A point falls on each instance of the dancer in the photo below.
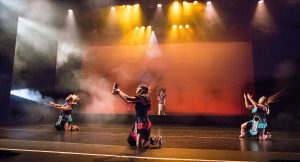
(257, 126)
(140, 133)
(65, 118)
(161, 102)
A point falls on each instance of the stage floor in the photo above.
(102, 142)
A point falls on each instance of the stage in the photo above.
(103, 142)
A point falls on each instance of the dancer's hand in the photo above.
(245, 97)
(51, 103)
(249, 96)
(116, 91)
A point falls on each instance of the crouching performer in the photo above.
(257, 126)
(65, 118)
(140, 133)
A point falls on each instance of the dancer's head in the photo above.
(73, 99)
(262, 100)
(142, 89)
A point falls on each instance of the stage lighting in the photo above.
(123, 6)
(180, 26)
(128, 6)
(208, 3)
(149, 27)
(261, 1)
(174, 26)
(195, 2)
(70, 11)
(185, 3)
(136, 28)
(113, 8)
(159, 5)
(187, 26)
(176, 4)
(143, 28)
(136, 5)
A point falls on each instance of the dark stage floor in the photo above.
(99, 142)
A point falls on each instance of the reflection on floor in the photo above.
(97, 142)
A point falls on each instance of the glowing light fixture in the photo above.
(137, 28)
(136, 5)
(123, 6)
(159, 5)
(195, 2)
(208, 3)
(261, 1)
(180, 26)
(187, 26)
(143, 28)
(185, 3)
(149, 27)
(174, 26)
(176, 4)
(71, 11)
(113, 8)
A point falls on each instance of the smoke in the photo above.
(32, 95)
(100, 96)
(286, 69)
(262, 20)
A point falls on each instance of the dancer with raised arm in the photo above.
(140, 133)
(65, 118)
(257, 126)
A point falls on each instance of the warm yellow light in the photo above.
(136, 5)
(174, 26)
(143, 28)
(159, 5)
(136, 28)
(180, 26)
(185, 3)
(123, 6)
(176, 4)
(113, 8)
(195, 2)
(149, 27)
(129, 6)
(187, 26)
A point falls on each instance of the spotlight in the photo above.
(261, 1)
(174, 26)
(71, 11)
(195, 2)
(143, 28)
(187, 26)
(129, 6)
(159, 5)
(185, 3)
(136, 28)
(136, 5)
(148, 27)
(123, 6)
(176, 4)
(113, 8)
(208, 3)
(180, 26)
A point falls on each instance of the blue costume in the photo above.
(64, 117)
(259, 121)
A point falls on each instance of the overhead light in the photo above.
(159, 5)
(261, 1)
